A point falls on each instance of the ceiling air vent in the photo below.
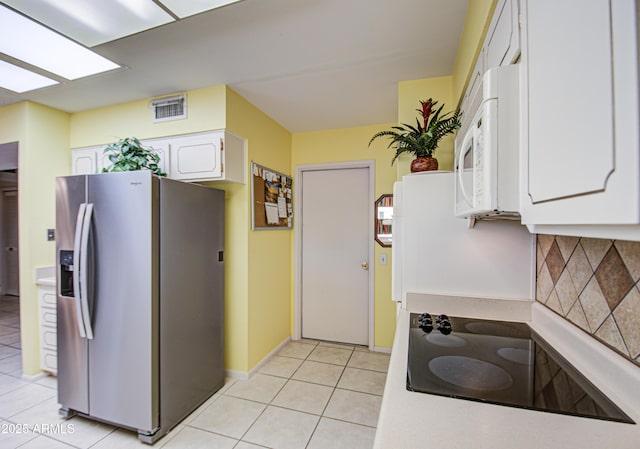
(169, 108)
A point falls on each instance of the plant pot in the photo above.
(424, 164)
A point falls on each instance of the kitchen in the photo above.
(262, 325)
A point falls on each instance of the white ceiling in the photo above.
(308, 64)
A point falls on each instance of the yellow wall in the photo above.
(475, 26)
(43, 153)
(350, 144)
(106, 125)
(268, 307)
(257, 264)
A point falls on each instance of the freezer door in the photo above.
(192, 297)
(123, 354)
(73, 386)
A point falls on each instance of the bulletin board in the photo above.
(271, 200)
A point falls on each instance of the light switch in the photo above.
(51, 235)
(383, 259)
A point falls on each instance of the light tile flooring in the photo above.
(311, 395)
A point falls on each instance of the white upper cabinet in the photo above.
(211, 156)
(580, 119)
(197, 157)
(207, 156)
(502, 44)
(84, 161)
(471, 101)
(90, 160)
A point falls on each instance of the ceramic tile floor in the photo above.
(311, 395)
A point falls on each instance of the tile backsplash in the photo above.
(593, 283)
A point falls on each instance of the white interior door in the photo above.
(335, 245)
(10, 241)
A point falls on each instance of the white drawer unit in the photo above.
(48, 323)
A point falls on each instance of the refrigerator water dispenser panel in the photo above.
(66, 273)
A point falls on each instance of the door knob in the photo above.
(365, 266)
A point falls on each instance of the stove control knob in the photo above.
(425, 323)
(445, 327)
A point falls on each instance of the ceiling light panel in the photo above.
(28, 41)
(21, 80)
(184, 8)
(97, 21)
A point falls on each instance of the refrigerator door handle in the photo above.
(84, 256)
(76, 275)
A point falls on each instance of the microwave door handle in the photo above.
(461, 168)
(77, 244)
(84, 278)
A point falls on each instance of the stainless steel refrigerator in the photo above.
(140, 299)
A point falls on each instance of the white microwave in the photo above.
(486, 151)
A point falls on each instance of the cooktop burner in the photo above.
(499, 362)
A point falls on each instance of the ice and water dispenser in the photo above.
(66, 273)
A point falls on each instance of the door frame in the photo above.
(297, 236)
(3, 262)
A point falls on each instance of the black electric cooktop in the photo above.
(499, 362)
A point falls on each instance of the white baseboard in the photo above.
(234, 374)
(382, 349)
(242, 375)
(34, 378)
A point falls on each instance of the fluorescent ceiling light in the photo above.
(184, 8)
(94, 22)
(21, 80)
(37, 45)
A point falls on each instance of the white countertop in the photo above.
(45, 276)
(416, 420)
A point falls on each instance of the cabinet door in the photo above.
(197, 156)
(571, 146)
(161, 147)
(580, 113)
(84, 161)
(503, 38)
(472, 96)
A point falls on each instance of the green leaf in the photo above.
(129, 154)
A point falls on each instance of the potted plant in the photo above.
(129, 154)
(422, 140)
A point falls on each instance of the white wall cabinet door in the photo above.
(161, 147)
(84, 161)
(209, 156)
(580, 113)
(472, 98)
(197, 156)
(502, 44)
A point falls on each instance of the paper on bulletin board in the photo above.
(272, 199)
(272, 213)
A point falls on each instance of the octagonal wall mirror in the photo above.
(383, 220)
